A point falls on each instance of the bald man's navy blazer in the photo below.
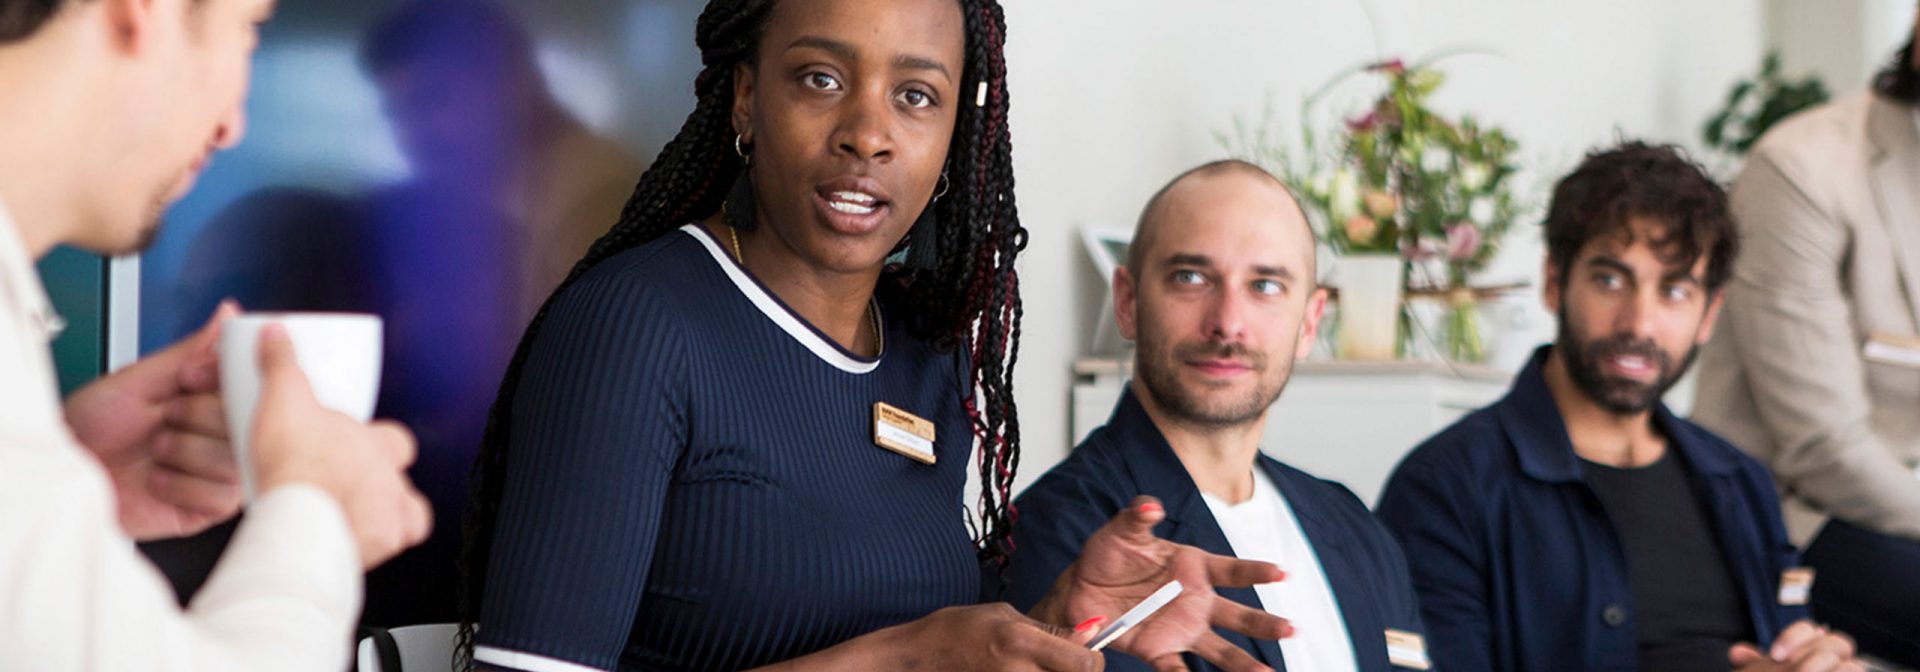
(1129, 457)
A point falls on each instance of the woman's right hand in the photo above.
(976, 637)
(989, 637)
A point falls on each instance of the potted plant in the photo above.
(1755, 105)
(1409, 198)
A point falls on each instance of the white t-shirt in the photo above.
(1263, 528)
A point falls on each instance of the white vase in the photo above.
(1371, 286)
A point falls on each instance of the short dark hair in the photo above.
(20, 19)
(1898, 81)
(1142, 231)
(1613, 186)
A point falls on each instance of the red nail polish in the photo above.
(1088, 624)
(1150, 507)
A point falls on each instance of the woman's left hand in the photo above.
(1122, 563)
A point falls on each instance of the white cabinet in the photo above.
(1345, 421)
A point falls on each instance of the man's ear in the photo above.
(130, 23)
(1551, 280)
(1125, 296)
(743, 90)
(1310, 323)
(1714, 302)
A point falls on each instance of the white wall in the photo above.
(1112, 98)
(1841, 42)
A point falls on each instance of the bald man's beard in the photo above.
(1158, 363)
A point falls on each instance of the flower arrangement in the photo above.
(1403, 178)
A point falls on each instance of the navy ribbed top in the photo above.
(692, 481)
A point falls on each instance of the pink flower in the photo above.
(1361, 229)
(1463, 241)
(1393, 66)
(1363, 124)
(1381, 204)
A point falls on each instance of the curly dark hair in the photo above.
(968, 301)
(1898, 80)
(1612, 186)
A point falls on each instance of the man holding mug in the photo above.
(111, 108)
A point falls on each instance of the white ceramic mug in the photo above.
(339, 352)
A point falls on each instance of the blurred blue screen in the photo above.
(441, 163)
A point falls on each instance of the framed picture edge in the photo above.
(1100, 244)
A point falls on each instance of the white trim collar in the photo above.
(775, 309)
(526, 662)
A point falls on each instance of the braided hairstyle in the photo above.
(968, 301)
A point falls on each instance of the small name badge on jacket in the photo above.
(1795, 585)
(902, 432)
(1892, 350)
(1407, 649)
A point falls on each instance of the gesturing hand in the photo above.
(1803, 647)
(1123, 562)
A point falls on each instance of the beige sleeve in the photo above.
(1792, 327)
(76, 595)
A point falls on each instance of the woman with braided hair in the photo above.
(736, 435)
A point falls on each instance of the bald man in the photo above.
(1218, 294)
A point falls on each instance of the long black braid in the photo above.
(968, 301)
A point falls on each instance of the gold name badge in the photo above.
(902, 432)
(1407, 649)
(1795, 585)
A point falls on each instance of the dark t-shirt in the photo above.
(1690, 611)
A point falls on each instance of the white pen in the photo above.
(1138, 613)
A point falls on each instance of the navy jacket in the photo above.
(1129, 457)
(1517, 565)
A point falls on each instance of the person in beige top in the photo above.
(1816, 370)
(108, 110)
